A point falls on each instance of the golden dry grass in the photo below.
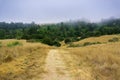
(22, 62)
(96, 62)
(101, 39)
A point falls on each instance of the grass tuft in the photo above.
(12, 44)
(0, 44)
(115, 39)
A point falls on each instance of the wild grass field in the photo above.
(96, 62)
(102, 39)
(95, 40)
(21, 60)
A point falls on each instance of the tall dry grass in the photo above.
(22, 62)
(96, 62)
(101, 39)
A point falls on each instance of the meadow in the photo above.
(21, 60)
(94, 62)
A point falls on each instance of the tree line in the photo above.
(53, 34)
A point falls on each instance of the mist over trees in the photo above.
(53, 34)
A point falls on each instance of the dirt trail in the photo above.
(55, 67)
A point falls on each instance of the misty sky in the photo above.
(50, 11)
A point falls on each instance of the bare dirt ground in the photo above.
(55, 67)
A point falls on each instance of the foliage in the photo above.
(68, 40)
(57, 44)
(90, 43)
(82, 45)
(12, 44)
(113, 39)
(34, 40)
(50, 33)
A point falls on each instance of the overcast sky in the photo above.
(50, 11)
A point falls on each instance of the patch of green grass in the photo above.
(12, 44)
(0, 44)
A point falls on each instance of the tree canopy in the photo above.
(53, 34)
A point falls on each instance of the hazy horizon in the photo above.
(53, 11)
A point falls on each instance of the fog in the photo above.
(51, 11)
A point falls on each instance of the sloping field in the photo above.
(101, 39)
(22, 62)
(95, 62)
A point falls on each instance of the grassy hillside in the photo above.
(102, 39)
(96, 40)
(94, 62)
(21, 62)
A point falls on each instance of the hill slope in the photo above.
(36, 61)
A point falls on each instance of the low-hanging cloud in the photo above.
(57, 10)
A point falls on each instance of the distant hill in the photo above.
(53, 34)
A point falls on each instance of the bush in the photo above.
(16, 43)
(56, 43)
(113, 40)
(90, 43)
(68, 40)
(87, 43)
(51, 42)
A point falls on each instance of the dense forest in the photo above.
(53, 34)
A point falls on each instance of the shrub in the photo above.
(51, 42)
(90, 43)
(68, 40)
(113, 40)
(87, 43)
(56, 43)
(48, 41)
(16, 43)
